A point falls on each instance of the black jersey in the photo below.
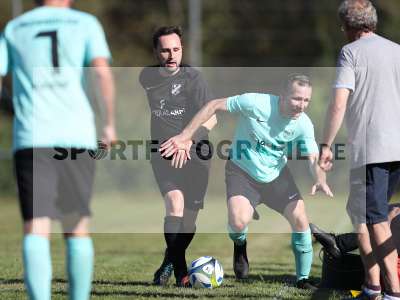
(173, 100)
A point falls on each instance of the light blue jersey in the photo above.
(263, 137)
(46, 50)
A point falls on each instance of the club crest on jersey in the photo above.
(176, 89)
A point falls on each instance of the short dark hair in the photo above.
(358, 15)
(165, 30)
(300, 79)
(39, 2)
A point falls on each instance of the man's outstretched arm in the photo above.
(180, 157)
(333, 122)
(180, 141)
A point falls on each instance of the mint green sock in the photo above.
(80, 254)
(37, 266)
(239, 238)
(303, 253)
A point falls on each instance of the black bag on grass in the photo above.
(345, 273)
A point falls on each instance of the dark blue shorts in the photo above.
(371, 188)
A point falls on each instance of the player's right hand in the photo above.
(325, 159)
(174, 144)
(109, 136)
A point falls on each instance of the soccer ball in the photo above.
(206, 272)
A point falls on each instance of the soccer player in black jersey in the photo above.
(175, 93)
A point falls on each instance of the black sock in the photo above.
(185, 239)
(187, 235)
(188, 229)
(172, 227)
(176, 250)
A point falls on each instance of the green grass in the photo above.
(125, 264)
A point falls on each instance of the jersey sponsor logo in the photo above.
(168, 113)
(176, 89)
(163, 112)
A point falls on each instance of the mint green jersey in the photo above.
(263, 137)
(46, 49)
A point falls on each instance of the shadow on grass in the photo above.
(172, 292)
(111, 282)
(253, 278)
(11, 281)
(289, 280)
(160, 294)
(323, 294)
(95, 282)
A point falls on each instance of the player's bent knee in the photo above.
(238, 225)
(38, 226)
(174, 203)
(174, 195)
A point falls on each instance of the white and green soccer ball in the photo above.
(206, 272)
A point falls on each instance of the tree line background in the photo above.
(235, 33)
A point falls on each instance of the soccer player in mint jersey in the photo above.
(257, 173)
(176, 92)
(46, 50)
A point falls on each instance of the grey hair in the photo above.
(358, 15)
(299, 79)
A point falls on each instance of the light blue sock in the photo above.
(239, 238)
(80, 255)
(303, 253)
(37, 266)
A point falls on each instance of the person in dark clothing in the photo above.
(175, 92)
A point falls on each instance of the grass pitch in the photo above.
(125, 264)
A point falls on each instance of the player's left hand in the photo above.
(174, 144)
(109, 136)
(179, 159)
(323, 187)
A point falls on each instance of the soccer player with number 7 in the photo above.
(46, 49)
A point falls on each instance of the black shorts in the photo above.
(276, 194)
(54, 188)
(371, 188)
(192, 180)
